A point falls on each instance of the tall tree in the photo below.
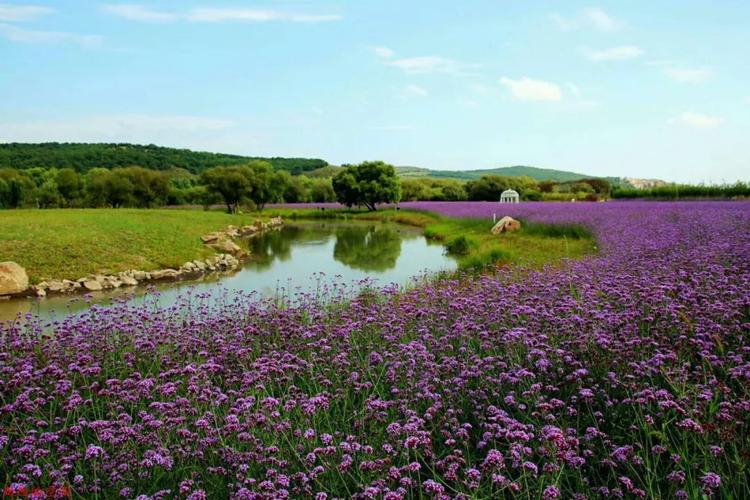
(368, 184)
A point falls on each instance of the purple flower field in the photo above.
(626, 374)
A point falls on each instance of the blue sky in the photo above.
(639, 88)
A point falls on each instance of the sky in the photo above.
(630, 89)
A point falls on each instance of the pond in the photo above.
(304, 257)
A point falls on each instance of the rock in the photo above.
(128, 280)
(141, 275)
(55, 286)
(188, 267)
(200, 265)
(39, 292)
(13, 278)
(111, 282)
(506, 224)
(227, 246)
(69, 286)
(211, 237)
(275, 222)
(247, 230)
(92, 285)
(165, 274)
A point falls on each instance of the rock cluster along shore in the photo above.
(14, 281)
(222, 241)
(96, 282)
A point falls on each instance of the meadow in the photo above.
(623, 374)
(70, 243)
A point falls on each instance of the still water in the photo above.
(300, 257)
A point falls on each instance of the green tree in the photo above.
(368, 184)
(321, 191)
(68, 185)
(232, 184)
(266, 186)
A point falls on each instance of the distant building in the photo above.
(509, 196)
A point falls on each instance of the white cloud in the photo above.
(615, 53)
(526, 89)
(592, 18)
(416, 91)
(697, 120)
(213, 15)
(10, 12)
(383, 52)
(21, 35)
(140, 13)
(135, 12)
(121, 127)
(426, 64)
(687, 75)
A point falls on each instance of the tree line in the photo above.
(686, 191)
(83, 157)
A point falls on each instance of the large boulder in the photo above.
(506, 225)
(13, 278)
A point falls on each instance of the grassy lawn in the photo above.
(71, 243)
(470, 240)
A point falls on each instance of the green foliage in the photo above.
(681, 191)
(427, 189)
(82, 157)
(368, 184)
(232, 184)
(539, 174)
(490, 187)
(460, 245)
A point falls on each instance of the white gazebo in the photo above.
(509, 196)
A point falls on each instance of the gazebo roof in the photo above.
(509, 192)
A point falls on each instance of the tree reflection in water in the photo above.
(362, 247)
(367, 248)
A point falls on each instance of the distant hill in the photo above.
(83, 157)
(540, 174)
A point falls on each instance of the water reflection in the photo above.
(292, 259)
(368, 249)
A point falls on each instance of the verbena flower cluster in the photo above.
(626, 374)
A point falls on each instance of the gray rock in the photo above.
(92, 285)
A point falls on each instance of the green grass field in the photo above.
(71, 243)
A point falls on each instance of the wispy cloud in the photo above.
(10, 12)
(425, 64)
(383, 52)
(431, 64)
(688, 75)
(134, 12)
(697, 120)
(592, 18)
(527, 89)
(415, 91)
(615, 53)
(140, 13)
(130, 127)
(22, 35)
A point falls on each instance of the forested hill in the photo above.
(540, 174)
(83, 157)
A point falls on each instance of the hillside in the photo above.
(540, 174)
(83, 157)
